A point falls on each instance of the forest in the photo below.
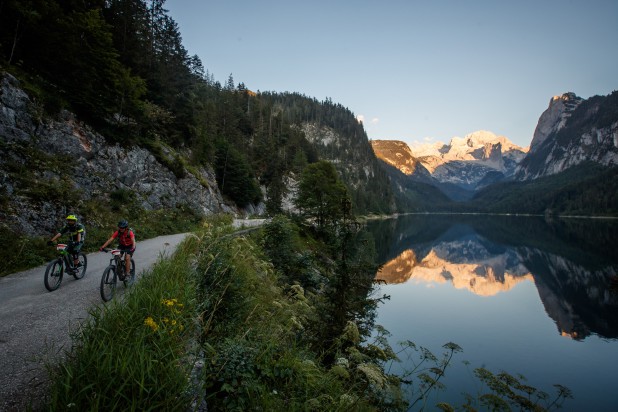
(120, 65)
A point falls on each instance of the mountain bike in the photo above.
(114, 272)
(56, 268)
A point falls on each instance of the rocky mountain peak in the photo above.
(572, 131)
(554, 117)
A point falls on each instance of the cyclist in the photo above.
(126, 243)
(77, 236)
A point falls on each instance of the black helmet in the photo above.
(123, 223)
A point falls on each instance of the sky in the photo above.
(416, 71)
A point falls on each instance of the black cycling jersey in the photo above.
(73, 231)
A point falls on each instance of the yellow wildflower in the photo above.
(151, 323)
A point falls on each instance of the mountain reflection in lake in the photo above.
(519, 294)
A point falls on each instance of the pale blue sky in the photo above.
(414, 70)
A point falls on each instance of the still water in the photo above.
(524, 295)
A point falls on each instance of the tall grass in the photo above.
(134, 354)
(257, 348)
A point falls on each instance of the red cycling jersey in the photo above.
(125, 238)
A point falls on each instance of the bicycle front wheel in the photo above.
(81, 267)
(108, 283)
(53, 275)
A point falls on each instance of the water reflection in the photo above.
(571, 262)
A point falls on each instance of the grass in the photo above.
(134, 354)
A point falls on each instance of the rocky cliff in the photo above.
(357, 165)
(48, 166)
(398, 154)
(572, 131)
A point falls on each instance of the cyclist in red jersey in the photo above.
(126, 242)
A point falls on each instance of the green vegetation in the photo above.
(219, 301)
(135, 353)
(585, 190)
(322, 196)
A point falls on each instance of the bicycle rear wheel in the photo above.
(53, 275)
(130, 279)
(81, 270)
(108, 283)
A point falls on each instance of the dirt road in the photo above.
(36, 325)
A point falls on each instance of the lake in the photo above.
(525, 295)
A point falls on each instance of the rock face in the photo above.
(398, 154)
(352, 156)
(81, 162)
(554, 118)
(572, 131)
(467, 163)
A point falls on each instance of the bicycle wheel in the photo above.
(53, 275)
(81, 270)
(129, 280)
(108, 283)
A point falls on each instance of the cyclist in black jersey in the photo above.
(77, 236)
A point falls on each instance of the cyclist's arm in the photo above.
(110, 240)
(56, 236)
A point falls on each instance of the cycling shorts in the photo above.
(126, 249)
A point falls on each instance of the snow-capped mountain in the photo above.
(467, 163)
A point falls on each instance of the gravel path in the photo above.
(36, 325)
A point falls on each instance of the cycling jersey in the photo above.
(73, 231)
(125, 238)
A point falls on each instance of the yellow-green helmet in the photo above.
(72, 217)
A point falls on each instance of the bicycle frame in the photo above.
(64, 255)
(118, 260)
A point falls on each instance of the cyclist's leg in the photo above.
(77, 247)
(72, 252)
(127, 258)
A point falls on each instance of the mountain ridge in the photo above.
(462, 166)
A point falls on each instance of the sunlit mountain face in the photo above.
(571, 272)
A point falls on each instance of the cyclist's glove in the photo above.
(50, 243)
